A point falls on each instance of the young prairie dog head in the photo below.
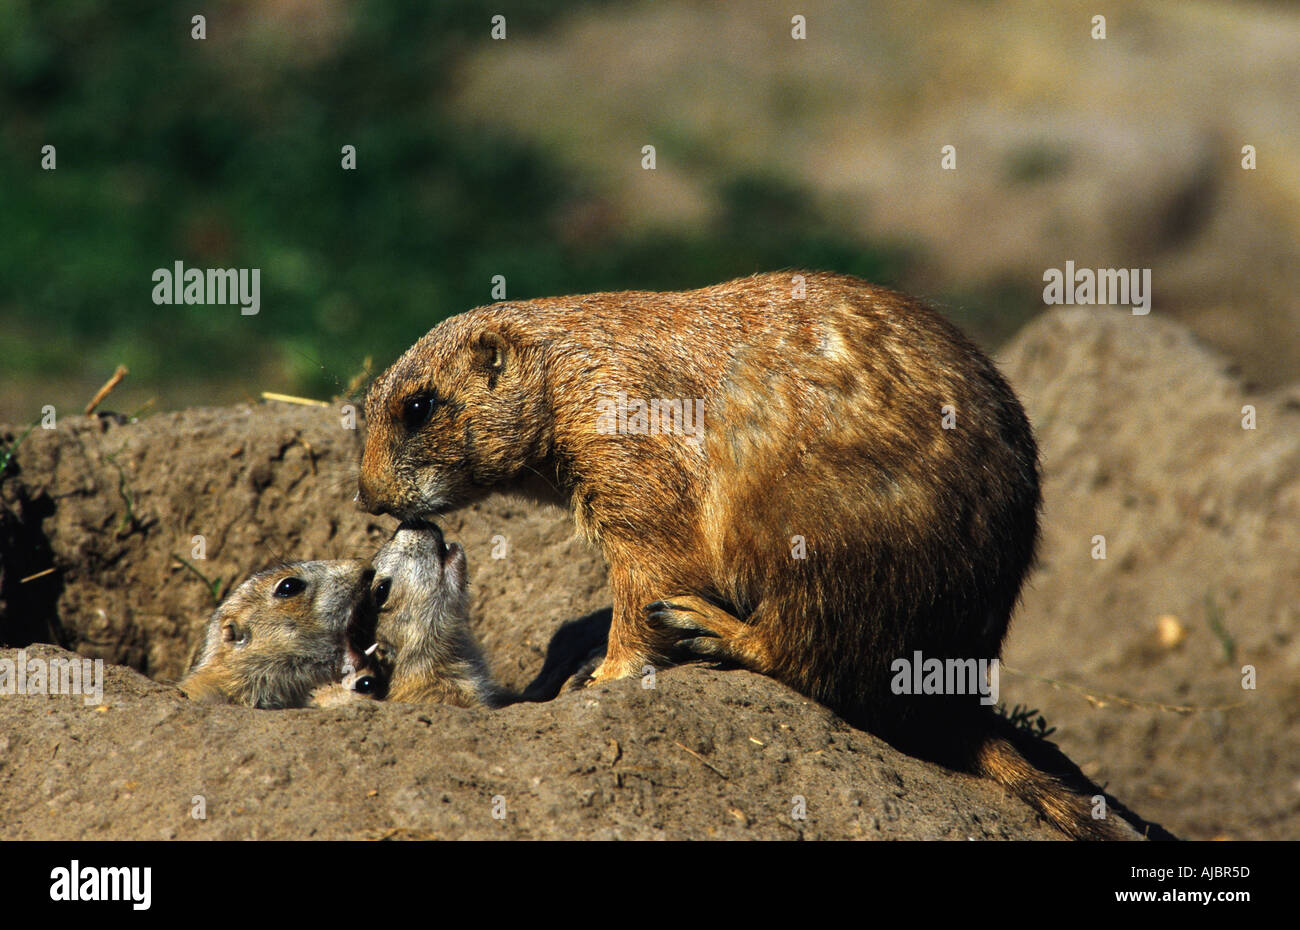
(424, 650)
(281, 634)
(462, 411)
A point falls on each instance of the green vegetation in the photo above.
(11, 450)
(1027, 719)
(216, 589)
(130, 521)
(226, 153)
(1214, 619)
(1036, 162)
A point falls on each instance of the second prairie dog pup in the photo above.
(280, 635)
(424, 652)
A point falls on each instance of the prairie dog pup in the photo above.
(424, 651)
(282, 633)
(863, 485)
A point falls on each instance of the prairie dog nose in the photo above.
(422, 527)
(365, 498)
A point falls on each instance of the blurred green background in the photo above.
(522, 158)
(226, 153)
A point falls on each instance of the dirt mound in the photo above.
(1142, 441)
(115, 509)
(1140, 429)
(703, 754)
(134, 518)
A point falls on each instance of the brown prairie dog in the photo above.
(863, 484)
(424, 650)
(280, 635)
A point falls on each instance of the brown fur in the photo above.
(822, 422)
(261, 650)
(426, 652)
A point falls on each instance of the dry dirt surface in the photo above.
(1142, 443)
(704, 754)
(1140, 431)
(116, 509)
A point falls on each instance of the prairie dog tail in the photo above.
(1035, 771)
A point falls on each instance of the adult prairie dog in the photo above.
(856, 484)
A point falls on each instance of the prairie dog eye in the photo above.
(416, 411)
(381, 591)
(365, 685)
(290, 587)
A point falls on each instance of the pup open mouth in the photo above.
(359, 636)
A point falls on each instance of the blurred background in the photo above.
(523, 158)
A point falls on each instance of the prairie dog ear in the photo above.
(491, 353)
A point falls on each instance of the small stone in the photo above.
(1170, 631)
